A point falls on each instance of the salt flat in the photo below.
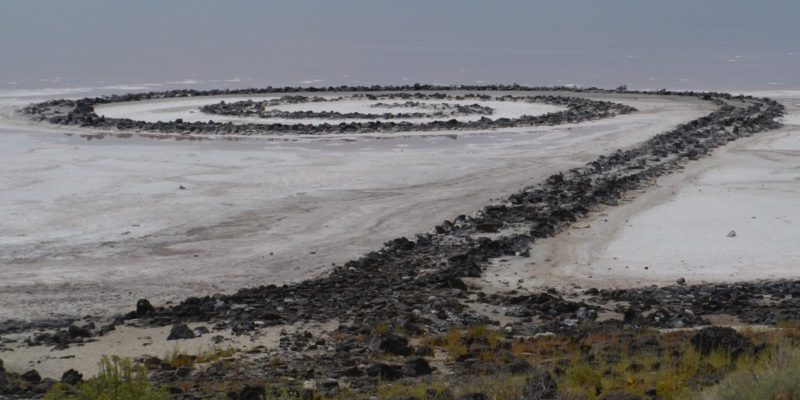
(725, 218)
(89, 226)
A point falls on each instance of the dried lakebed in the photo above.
(421, 284)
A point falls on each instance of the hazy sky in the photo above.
(720, 44)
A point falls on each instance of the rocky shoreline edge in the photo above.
(416, 286)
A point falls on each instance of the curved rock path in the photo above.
(423, 276)
(420, 280)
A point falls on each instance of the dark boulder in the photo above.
(352, 372)
(400, 244)
(252, 393)
(721, 338)
(385, 372)
(180, 331)
(392, 343)
(71, 377)
(416, 366)
(32, 377)
(75, 331)
(144, 308)
(270, 316)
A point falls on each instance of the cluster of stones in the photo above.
(81, 112)
(261, 109)
(30, 384)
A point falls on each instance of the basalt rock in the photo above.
(721, 338)
(180, 331)
(32, 377)
(392, 343)
(144, 308)
(416, 366)
(71, 377)
(257, 392)
(385, 372)
(75, 331)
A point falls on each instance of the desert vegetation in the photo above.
(480, 362)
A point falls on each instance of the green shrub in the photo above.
(118, 379)
(584, 380)
(777, 379)
(788, 324)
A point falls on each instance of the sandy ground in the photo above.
(90, 226)
(680, 226)
(137, 342)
